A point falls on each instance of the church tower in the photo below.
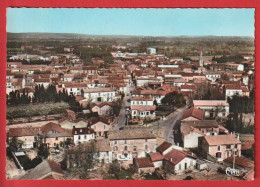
(201, 62)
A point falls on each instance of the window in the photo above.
(228, 147)
(146, 147)
(54, 144)
(147, 113)
(134, 149)
(104, 127)
(125, 141)
(236, 146)
(85, 136)
(115, 142)
(125, 148)
(115, 148)
(56, 138)
(146, 140)
(218, 148)
(79, 137)
(218, 155)
(179, 166)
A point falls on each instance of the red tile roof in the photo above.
(94, 120)
(247, 144)
(42, 80)
(198, 103)
(191, 87)
(26, 131)
(233, 87)
(142, 99)
(51, 127)
(222, 140)
(44, 170)
(163, 147)
(143, 107)
(89, 68)
(55, 167)
(100, 105)
(240, 161)
(144, 162)
(156, 157)
(175, 156)
(193, 112)
(77, 131)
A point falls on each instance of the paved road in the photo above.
(121, 122)
(170, 123)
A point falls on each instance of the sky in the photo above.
(141, 22)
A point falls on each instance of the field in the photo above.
(41, 109)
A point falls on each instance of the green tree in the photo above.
(173, 99)
(114, 167)
(43, 151)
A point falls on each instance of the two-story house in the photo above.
(213, 108)
(82, 135)
(220, 147)
(99, 94)
(129, 144)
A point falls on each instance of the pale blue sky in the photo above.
(149, 22)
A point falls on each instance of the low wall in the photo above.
(35, 118)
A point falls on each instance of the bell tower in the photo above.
(201, 62)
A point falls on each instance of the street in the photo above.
(121, 121)
(170, 123)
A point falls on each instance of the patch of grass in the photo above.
(151, 177)
(124, 175)
(110, 177)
